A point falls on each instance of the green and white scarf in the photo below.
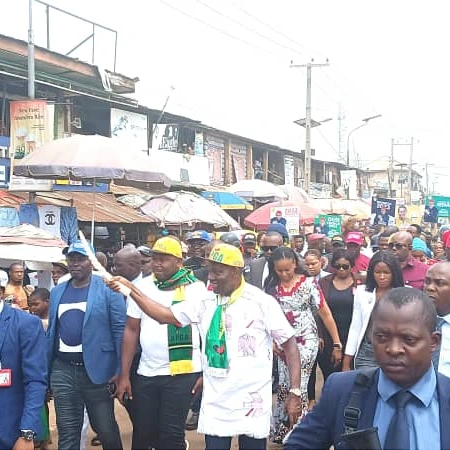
(179, 338)
(216, 344)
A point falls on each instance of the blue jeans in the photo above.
(160, 407)
(224, 443)
(72, 389)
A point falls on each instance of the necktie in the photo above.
(397, 437)
(435, 356)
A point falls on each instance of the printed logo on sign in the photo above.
(50, 219)
(217, 257)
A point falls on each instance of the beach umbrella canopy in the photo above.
(91, 157)
(295, 193)
(186, 209)
(227, 200)
(257, 189)
(260, 218)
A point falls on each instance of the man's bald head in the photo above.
(102, 259)
(127, 263)
(403, 236)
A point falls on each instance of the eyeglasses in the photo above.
(342, 266)
(396, 245)
(269, 248)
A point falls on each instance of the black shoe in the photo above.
(192, 421)
(95, 442)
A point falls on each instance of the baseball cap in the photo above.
(226, 254)
(316, 236)
(337, 241)
(446, 239)
(354, 237)
(199, 234)
(279, 228)
(168, 246)
(145, 250)
(77, 247)
(249, 238)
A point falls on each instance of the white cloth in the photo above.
(363, 304)
(153, 337)
(1, 306)
(444, 354)
(265, 273)
(84, 430)
(241, 402)
(50, 219)
(3, 278)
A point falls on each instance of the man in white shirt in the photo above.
(437, 287)
(170, 363)
(237, 323)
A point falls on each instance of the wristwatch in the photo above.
(337, 345)
(296, 391)
(28, 435)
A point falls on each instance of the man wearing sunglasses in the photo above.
(414, 271)
(259, 268)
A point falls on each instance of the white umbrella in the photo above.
(186, 208)
(92, 157)
(295, 193)
(250, 189)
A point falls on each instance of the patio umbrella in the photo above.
(186, 209)
(295, 193)
(227, 200)
(92, 157)
(36, 247)
(260, 218)
(254, 189)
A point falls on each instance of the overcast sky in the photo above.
(229, 63)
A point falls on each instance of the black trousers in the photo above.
(160, 408)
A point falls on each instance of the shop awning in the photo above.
(227, 200)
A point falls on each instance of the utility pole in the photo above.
(426, 178)
(391, 169)
(31, 67)
(341, 119)
(410, 177)
(308, 66)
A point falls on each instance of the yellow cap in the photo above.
(227, 254)
(169, 246)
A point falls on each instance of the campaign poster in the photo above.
(383, 211)
(436, 207)
(31, 126)
(289, 216)
(328, 224)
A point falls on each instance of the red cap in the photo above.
(354, 237)
(446, 239)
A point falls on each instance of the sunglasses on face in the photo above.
(342, 266)
(396, 245)
(269, 248)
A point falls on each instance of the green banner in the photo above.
(433, 202)
(329, 224)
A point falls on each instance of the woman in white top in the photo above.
(383, 274)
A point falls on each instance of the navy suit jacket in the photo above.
(104, 322)
(22, 347)
(324, 425)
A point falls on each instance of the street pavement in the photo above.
(196, 441)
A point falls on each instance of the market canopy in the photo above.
(295, 193)
(185, 209)
(257, 189)
(227, 200)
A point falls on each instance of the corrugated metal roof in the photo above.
(107, 209)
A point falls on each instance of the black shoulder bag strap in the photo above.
(352, 412)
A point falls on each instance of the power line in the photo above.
(220, 13)
(232, 36)
(265, 24)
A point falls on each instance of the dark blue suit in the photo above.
(324, 425)
(22, 347)
(103, 327)
(86, 385)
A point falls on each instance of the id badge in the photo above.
(5, 378)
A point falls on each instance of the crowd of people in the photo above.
(201, 334)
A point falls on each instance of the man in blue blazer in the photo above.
(24, 367)
(86, 323)
(403, 337)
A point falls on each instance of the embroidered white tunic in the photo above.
(241, 402)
